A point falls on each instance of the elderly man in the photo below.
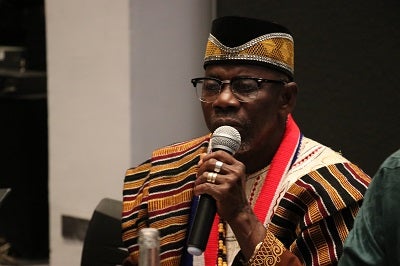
(281, 199)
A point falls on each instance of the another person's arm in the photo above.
(375, 238)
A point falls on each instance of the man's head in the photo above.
(249, 82)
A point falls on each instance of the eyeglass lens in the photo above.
(243, 89)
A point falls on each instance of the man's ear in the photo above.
(289, 97)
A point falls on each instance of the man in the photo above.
(282, 199)
(375, 238)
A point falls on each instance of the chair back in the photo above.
(103, 241)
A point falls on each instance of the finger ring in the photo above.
(211, 177)
(218, 166)
(214, 177)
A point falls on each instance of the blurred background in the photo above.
(90, 88)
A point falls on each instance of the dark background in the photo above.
(346, 65)
(23, 130)
(22, 23)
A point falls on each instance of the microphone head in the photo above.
(226, 138)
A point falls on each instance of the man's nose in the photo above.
(226, 96)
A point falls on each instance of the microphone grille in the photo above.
(226, 138)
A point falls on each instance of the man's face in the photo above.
(261, 122)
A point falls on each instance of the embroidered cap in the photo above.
(240, 40)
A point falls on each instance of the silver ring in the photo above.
(211, 177)
(218, 166)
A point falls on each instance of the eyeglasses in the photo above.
(245, 89)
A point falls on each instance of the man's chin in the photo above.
(243, 150)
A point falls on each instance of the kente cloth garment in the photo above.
(312, 210)
(375, 238)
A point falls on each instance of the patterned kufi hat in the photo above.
(240, 40)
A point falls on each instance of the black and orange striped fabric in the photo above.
(312, 219)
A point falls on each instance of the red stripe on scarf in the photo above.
(211, 252)
(279, 166)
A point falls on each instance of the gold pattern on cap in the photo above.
(274, 48)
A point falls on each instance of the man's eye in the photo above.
(245, 86)
(211, 87)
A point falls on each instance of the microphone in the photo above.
(224, 138)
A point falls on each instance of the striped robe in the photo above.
(312, 218)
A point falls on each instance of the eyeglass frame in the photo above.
(259, 81)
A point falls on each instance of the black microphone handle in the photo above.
(224, 138)
(203, 219)
(202, 224)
